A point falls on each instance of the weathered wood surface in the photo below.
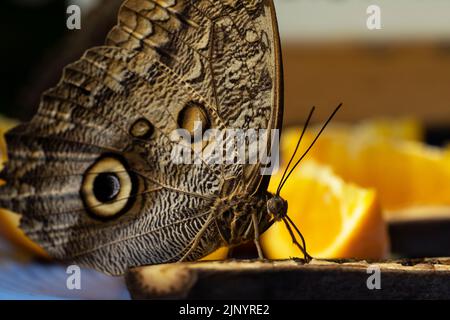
(291, 279)
(420, 238)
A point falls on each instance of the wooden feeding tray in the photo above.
(420, 233)
(291, 279)
(412, 234)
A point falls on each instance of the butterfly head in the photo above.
(277, 207)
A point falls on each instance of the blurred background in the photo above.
(330, 56)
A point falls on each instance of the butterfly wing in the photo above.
(109, 122)
(228, 51)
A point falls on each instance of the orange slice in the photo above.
(337, 219)
(5, 125)
(219, 254)
(9, 229)
(405, 172)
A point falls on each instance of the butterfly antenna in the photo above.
(296, 148)
(311, 145)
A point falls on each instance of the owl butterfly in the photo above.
(91, 172)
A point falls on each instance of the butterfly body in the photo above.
(92, 173)
(235, 214)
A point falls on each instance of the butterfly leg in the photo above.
(230, 252)
(256, 238)
(302, 248)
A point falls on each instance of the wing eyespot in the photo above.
(142, 129)
(194, 119)
(108, 187)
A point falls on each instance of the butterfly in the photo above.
(92, 174)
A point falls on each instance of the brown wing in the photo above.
(162, 57)
(228, 51)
